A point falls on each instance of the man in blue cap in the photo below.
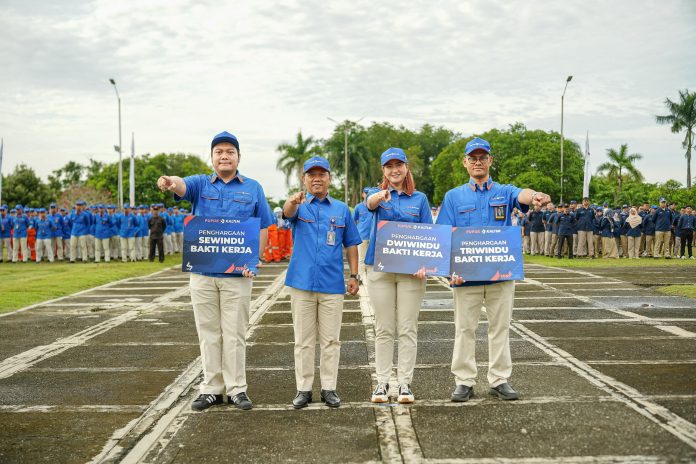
(662, 217)
(483, 202)
(102, 234)
(322, 227)
(142, 241)
(221, 301)
(65, 232)
(20, 225)
(5, 234)
(81, 221)
(44, 233)
(114, 240)
(128, 225)
(363, 220)
(57, 238)
(649, 230)
(584, 216)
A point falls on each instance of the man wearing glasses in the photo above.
(482, 202)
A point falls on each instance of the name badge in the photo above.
(331, 238)
(499, 212)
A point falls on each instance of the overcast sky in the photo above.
(264, 70)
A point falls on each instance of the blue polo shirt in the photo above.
(44, 228)
(363, 217)
(663, 220)
(5, 226)
(316, 266)
(58, 221)
(401, 207)
(102, 226)
(20, 223)
(470, 205)
(240, 198)
(128, 225)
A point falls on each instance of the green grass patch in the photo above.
(23, 284)
(606, 263)
(688, 291)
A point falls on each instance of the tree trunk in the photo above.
(688, 162)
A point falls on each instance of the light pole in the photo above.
(346, 130)
(119, 149)
(562, 97)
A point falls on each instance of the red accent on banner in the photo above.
(496, 276)
(454, 228)
(187, 219)
(230, 269)
(380, 224)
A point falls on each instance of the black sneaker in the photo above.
(240, 401)
(205, 400)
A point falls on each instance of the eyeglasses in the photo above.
(477, 159)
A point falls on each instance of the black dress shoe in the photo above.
(462, 393)
(240, 401)
(330, 398)
(302, 399)
(504, 391)
(204, 401)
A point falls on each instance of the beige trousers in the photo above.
(316, 315)
(396, 300)
(661, 244)
(41, 246)
(498, 299)
(597, 241)
(115, 242)
(362, 251)
(609, 248)
(526, 244)
(90, 246)
(575, 244)
(82, 242)
(102, 244)
(18, 243)
(57, 244)
(585, 243)
(624, 246)
(649, 245)
(5, 245)
(127, 248)
(633, 247)
(221, 311)
(537, 239)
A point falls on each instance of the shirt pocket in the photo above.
(385, 211)
(305, 224)
(339, 227)
(498, 212)
(465, 214)
(242, 205)
(411, 214)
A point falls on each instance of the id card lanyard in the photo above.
(331, 233)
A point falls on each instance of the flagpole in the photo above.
(587, 175)
(131, 178)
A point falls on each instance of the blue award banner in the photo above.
(406, 247)
(220, 245)
(487, 253)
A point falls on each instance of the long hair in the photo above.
(409, 184)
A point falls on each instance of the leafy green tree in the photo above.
(293, 157)
(682, 117)
(620, 167)
(25, 187)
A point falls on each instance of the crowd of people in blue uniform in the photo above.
(87, 232)
(591, 231)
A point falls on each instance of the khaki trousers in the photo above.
(609, 248)
(649, 245)
(537, 239)
(315, 315)
(633, 247)
(82, 242)
(41, 245)
(661, 244)
(90, 246)
(624, 246)
(597, 240)
(102, 244)
(179, 242)
(677, 246)
(221, 311)
(168, 244)
(526, 244)
(57, 243)
(554, 244)
(396, 300)
(5, 245)
(18, 243)
(127, 248)
(585, 243)
(575, 244)
(362, 251)
(115, 242)
(547, 243)
(498, 299)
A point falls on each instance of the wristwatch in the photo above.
(356, 277)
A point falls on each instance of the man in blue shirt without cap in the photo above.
(221, 301)
(482, 202)
(321, 227)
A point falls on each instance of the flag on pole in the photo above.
(588, 175)
(131, 178)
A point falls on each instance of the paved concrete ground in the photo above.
(606, 368)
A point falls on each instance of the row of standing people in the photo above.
(627, 232)
(322, 228)
(86, 233)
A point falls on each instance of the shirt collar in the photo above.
(311, 197)
(214, 177)
(487, 185)
(392, 189)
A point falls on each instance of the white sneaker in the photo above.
(692, 257)
(683, 257)
(405, 394)
(381, 393)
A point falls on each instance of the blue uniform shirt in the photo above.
(44, 228)
(102, 226)
(472, 206)
(649, 225)
(606, 227)
(128, 225)
(80, 223)
(240, 198)
(585, 218)
(363, 217)
(400, 208)
(178, 220)
(58, 222)
(663, 219)
(566, 223)
(536, 218)
(20, 223)
(67, 227)
(144, 224)
(687, 222)
(5, 226)
(315, 265)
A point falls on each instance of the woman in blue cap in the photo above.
(395, 298)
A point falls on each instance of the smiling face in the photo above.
(225, 159)
(395, 172)
(317, 181)
(478, 164)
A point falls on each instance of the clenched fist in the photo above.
(166, 183)
(298, 198)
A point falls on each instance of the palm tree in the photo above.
(682, 117)
(620, 166)
(293, 157)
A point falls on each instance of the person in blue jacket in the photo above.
(633, 226)
(596, 233)
(44, 227)
(526, 226)
(142, 245)
(5, 234)
(81, 221)
(57, 238)
(686, 227)
(102, 234)
(549, 213)
(178, 230)
(662, 217)
(128, 226)
(65, 232)
(649, 231)
(566, 226)
(606, 230)
(584, 215)
(20, 225)
(114, 241)
(363, 220)
(623, 229)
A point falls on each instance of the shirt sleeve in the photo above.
(193, 188)
(513, 198)
(426, 217)
(351, 236)
(447, 214)
(370, 192)
(263, 209)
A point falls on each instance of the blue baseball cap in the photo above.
(13, 210)
(624, 206)
(477, 144)
(126, 205)
(316, 162)
(53, 205)
(92, 206)
(62, 209)
(80, 202)
(41, 210)
(573, 202)
(224, 136)
(3, 208)
(393, 154)
(654, 206)
(100, 206)
(366, 189)
(663, 199)
(18, 206)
